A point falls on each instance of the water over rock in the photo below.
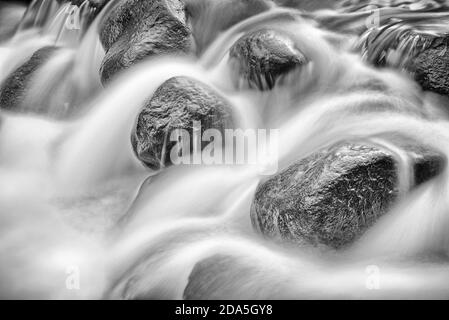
(13, 89)
(97, 4)
(137, 29)
(218, 15)
(176, 104)
(334, 195)
(210, 279)
(263, 56)
(411, 37)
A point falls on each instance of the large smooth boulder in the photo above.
(334, 195)
(177, 104)
(14, 88)
(210, 17)
(263, 56)
(138, 29)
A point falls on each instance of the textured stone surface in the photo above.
(262, 56)
(137, 29)
(334, 195)
(431, 67)
(176, 104)
(13, 89)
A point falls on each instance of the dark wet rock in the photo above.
(137, 29)
(176, 104)
(13, 89)
(431, 67)
(98, 4)
(334, 195)
(210, 17)
(263, 56)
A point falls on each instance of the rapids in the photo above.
(75, 201)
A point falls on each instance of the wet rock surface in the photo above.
(263, 56)
(14, 87)
(137, 29)
(430, 68)
(334, 195)
(176, 104)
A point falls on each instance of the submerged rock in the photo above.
(13, 89)
(137, 29)
(206, 279)
(225, 276)
(176, 104)
(263, 56)
(334, 195)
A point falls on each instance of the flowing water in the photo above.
(74, 200)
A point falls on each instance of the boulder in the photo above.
(13, 89)
(137, 29)
(210, 17)
(263, 56)
(176, 104)
(334, 195)
(430, 67)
